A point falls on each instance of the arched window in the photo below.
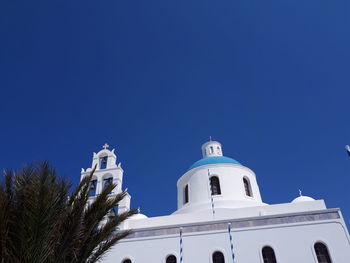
(215, 185)
(126, 261)
(171, 259)
(186, 196)
(107, 181)
(247, 188)
(269, 255)
(322, 253)
(103, 162)
(218, 257)
(93, 185)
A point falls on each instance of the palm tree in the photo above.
(39, 222)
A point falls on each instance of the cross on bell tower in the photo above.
(105, 146)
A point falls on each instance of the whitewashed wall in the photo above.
(291, 242)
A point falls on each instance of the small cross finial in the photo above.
(105, 146)
(300, 193)
(209, 138)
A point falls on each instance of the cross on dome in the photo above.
(105, 146)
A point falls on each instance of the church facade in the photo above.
(221, 218)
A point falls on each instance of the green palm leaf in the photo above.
(39, 222)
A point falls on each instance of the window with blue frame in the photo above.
(103, 162)
(92, 190)
(107, 181)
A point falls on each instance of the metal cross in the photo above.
(105, 146)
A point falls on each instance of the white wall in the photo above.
(232, 188)
(292, 243)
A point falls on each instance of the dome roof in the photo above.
(302, 199)
(138, 216)
(214, 160)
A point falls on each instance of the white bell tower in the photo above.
(107, 171)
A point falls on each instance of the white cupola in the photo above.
(223, 179)
(211, 148)
(107, 171)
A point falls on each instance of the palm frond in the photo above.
(39, 223)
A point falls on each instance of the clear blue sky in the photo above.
(268, 79)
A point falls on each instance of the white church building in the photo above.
(221, 218)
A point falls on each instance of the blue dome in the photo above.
(213, 160)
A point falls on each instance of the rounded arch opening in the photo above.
(322, 253)
(247, 187)
(93, 186)
(107, 175)
(268, 255)
(215, 185)
(102, 160)
(106, 180)
(186, 194)
(218, 257)
(171, 259)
